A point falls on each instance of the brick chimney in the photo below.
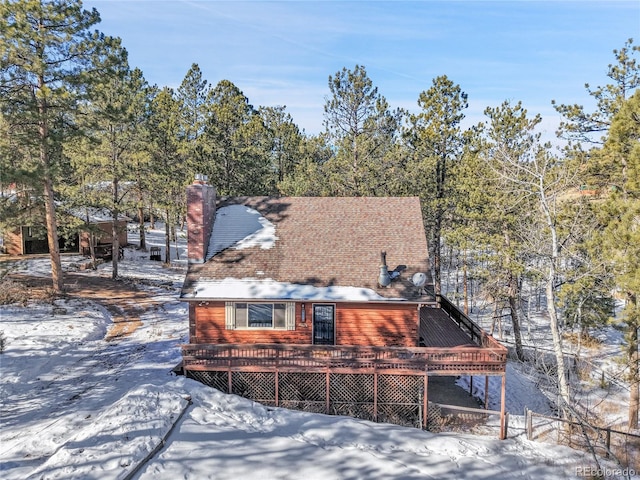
(201, 209)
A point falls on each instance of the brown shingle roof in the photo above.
(327, 241)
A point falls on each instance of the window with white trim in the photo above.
(260, 315)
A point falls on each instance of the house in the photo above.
(102, 227)
(27, 240)
(32, 239)
(322, 303)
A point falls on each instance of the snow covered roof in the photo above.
(239, 226)
(311, 248)
(267, 289)
(96, 215)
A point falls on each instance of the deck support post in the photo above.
(277, 389)
(327, 391)
(229, 382)
(425, 402)
(503, 429)
(375, 396)
(486, 392)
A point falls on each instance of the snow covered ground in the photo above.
(75, 406)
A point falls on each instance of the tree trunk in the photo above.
(49, 198)
(554, 248)
(563, 383)
(514, 297)
(167, 238)
(632, 353)
(465, 287)
(115, 242)
(143, 238)
(52, 235)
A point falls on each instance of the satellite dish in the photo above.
(419, 279)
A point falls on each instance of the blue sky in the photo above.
(282, 53)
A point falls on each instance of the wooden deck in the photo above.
(452, 345)
(438, 330)
(472, 360)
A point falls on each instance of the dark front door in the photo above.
(324, 324)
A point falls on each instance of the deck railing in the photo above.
(476, 333)
(344, 358)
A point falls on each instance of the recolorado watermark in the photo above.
(603, 472)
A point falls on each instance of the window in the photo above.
(260, 315)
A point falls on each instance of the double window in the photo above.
(245, 315)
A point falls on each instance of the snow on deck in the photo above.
(238, 227)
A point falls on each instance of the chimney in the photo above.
(384, 279)
(201, 209)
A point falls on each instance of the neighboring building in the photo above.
(102, 226)
(294, 300)
(27, 240)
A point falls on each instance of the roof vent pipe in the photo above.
(384, 279)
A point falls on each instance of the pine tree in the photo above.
(591, 127)
(614, 171)
(192, 96)
(620, 237)
(363, 130)
(436, 141)
(168, 168)
(285, 144)
(236, 143)
(113, 122)
(46, 48)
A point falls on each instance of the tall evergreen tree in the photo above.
(236, 142)
(511, 139)
(168, 169)
(591, 127)
(46, 49)
(436, 139)
(192, 96)
(614, 172)
(285, 143)
(363, 129)
(620, 238)
(113, 127)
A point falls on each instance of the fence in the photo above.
(607, 442)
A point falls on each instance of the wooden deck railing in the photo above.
(344, 358)
(476, 333)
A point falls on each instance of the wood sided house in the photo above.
(26, 240)
(323, 304)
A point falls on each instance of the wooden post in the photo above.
(608, 442)
(277, 389)
(529, 416)
(471, 385)
(503, 397)
(327, 391)
(425, 402)
(229, 380)
(375, 396)
(486, 392)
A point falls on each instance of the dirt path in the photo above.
(124, 301)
